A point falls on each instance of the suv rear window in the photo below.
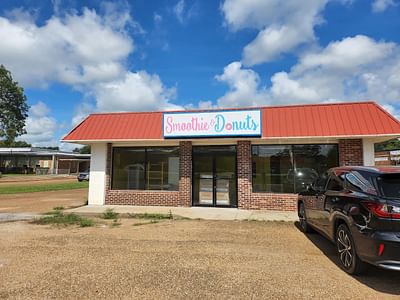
(361, 181)
(389, 185)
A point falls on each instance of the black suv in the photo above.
(357, 208)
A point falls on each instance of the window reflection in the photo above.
(290, 168)
(145, 168)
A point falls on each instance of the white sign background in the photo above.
(212, 124)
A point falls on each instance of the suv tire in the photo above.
(348, 258)
(305, 227)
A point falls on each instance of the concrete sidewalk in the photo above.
(207, 213)
(11, 217)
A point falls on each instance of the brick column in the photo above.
(108, 166)
(244, 174)
(351, 152)
(185, 173)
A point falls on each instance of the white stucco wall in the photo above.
(97, 183)
(368, 152)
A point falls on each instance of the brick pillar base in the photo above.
(351, 152)
(185, 173)
(244, 174)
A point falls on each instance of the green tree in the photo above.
(388, 145)
(51, 148)
(16, 144)
(13, 108)
(83, 150)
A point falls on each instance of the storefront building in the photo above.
(256, 158)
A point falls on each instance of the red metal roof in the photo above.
(315, 120)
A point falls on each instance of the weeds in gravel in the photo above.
(110, 214)
(58, 218)
(153, 216)
(84, 222)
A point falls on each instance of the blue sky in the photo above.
(78, 57)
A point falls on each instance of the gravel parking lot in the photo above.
(178, 259)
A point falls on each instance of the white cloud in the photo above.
(244, 87)
(355, 68)
(183, 12)
(137, 91)
(283, 25)
(39, 110)
(81, 112)
(391, 109)
(382, 5)
(40, 126)
(179, 9)
(157, 18)
(347, 54)
(75, 49)
(285, 89)
(86, 50)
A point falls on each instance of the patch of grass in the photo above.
(58, 208)
(110, 214)
(86, 222)
(58, 218)
(152, 216)
(45, 187)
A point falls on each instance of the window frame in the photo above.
(334, 178)
(292, 152)
(145, 166)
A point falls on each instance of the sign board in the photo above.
(383, 158)
(245, 123)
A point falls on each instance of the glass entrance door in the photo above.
(214, 176)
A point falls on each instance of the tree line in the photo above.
(14, 111)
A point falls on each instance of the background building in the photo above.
(29, 160)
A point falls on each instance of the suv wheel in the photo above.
(305, 227)
(349, 260)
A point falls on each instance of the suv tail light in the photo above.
(383, 210)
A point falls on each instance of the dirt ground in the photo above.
(179, 259)
(41, 202)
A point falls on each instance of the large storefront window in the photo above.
(290, 168)
(146, 169)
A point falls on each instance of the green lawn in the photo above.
(45, 187)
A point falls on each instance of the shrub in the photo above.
(110, 214)
(86, 222)
(57, 217)
(153, 216)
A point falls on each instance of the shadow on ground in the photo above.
(381, 280)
